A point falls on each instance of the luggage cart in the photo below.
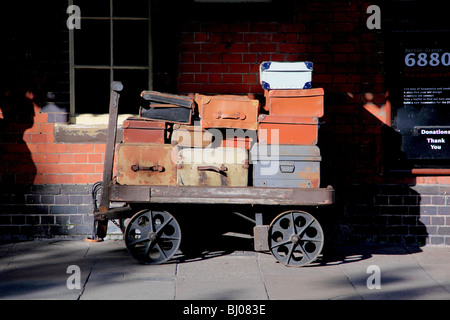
(153, 235)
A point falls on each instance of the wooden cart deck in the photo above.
(222, 195)
(212, 195)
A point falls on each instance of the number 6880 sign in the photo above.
(424, 59)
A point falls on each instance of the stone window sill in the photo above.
(87, 128)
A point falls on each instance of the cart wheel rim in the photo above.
(295, 238)
(152, 237)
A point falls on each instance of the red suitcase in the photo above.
(140, 130)
(237, 142)
(298, 103)
(228, 111)
(288, 130)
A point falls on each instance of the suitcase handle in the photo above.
(155, 168)
(236, 116)
(212, 168)
(287, 168)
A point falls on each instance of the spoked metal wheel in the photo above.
(295, 238)
(152, 237)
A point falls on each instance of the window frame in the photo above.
(111, 67)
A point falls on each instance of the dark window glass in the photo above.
(92, 43)
(111, 47)
(130, 43)
(92, 89)
(93, 8)
(135, 8)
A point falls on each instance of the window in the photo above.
(113, 44)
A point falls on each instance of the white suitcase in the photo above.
(285, 75)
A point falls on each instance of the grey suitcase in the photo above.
(285, 166)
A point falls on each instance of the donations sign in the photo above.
(423, 116)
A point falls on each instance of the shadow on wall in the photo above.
(358, 147)
(16, 164)
(18, 111)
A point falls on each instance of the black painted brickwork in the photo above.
(400, 214)
(45, 211)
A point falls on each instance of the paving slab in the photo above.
(40, 270)
(436, 263)
(221, 268)
(36, 290)
(227, 277)
(36, 270)
(121, 286)
(315, 282)
(401, 276)
(222, 290)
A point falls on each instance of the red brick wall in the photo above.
(225, 57)
(349, 63)
(347, 57)
(31, 156)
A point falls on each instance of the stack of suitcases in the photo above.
(287, 154)
(236, 142)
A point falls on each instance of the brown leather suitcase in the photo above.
(228, 111)
(146, 164)
(137, 130)
(288, 130)
(300, 103)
